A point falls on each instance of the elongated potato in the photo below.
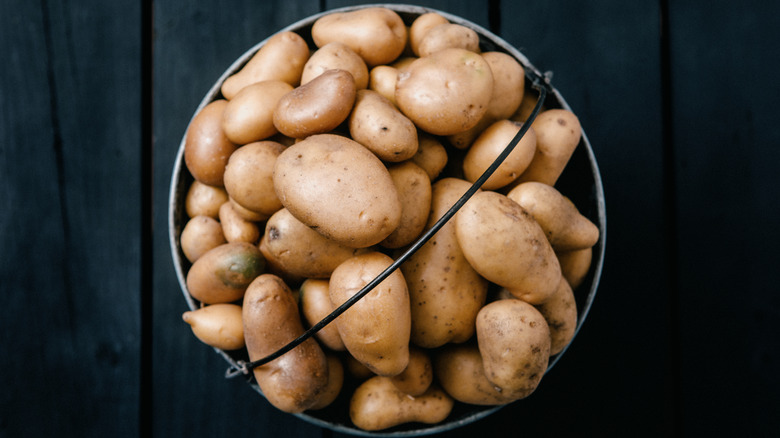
(575, 265)
(558, 133)
(235, 228)
(206, 147)
(560, 312)
(418, 375)
(249, 177)
(378, 125)
(489, 145)
(316, 305)
(217, 325)
(295, 381)
(335, 383)
(249, 116)
(223, 273)
(414, 192)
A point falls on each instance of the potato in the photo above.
(377, 34)
(379, 126)
(246, 213)
(377, 404)
(505, 245)
(445, 291)
(376, 328)
(565, 228)
(206, 147)
(204, 200)
(418, 375)
(446, 36)
(223, 273)
(339, 188)
(299, 250)
(489, 145)
(295, 381)
(249, 116)
(560, 312)
(336, 56)
(508, 85)
(356, 369)
(335, 383)
(281, 58)
(420, 27)
(514, 342)
(431, 155)
(200, 234)
(527, 105)
(315, 306)
(217, 325)
(458, 369)
(575, 265)
(382, 79)
(446, 92)
(235, 228)
(316, 107)
(558, 133)
(249, 177)
(414, 192)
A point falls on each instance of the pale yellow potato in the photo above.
(418, 375)
(489, 145)
(445, 291)
(446, 92)
(558, 132)
(446, 36)
(249, 177)
(565, 228)
(377, 34)
(575, 265)
(514, 342)
(377, 404)
(382, 79)
(335, 383)
(431, 155)
(336, 56)
(206, 147)
(235, 228)
(420, 27)
(204, 200)
(217, 325)
(414, 192)
(249, 116)
(503, 243)
(223, 273)
(315, 306)
(378, 125)
(200, 234)
(295, 381)
(281, 58)
(339, 188)
(376, 328)
(316, 107)
(560, 312)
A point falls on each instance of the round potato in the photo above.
(339, 188)
(560, 312)
(235, 228)
(431, 155)
(206, 147)
(558, 133)
(217, 325)
(377, 34)
(316, 107)
(489, 145)
(201, 234)
(446, 36)
(414, 192)
(315, 306)
(336, 56)
(204, 200)
(420, 27)
(222, 274)
(249, 177)
(506, 246)
(379, 126)
(249, 116)
(376, 328)
(382, 79)
(446, 92)
(281, 58)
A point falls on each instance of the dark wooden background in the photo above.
(678, 98)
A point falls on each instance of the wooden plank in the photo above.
(725, 135)
(70, 227)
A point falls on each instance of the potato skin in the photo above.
(506, 246)
(560, 312)
(448, 35)
(223, 273)
(431, 155)
(235, 228)
(420, 27)
(575, 265)
(377, 404)
(201, 234)
(414, 192)
(376, 328)
(489, 145)
(316, 305)
(204, 200)
(249, 116)
(418, 375)
(206, 147)
(514, 342)
(294, 381)
(339, 188)
(378, 125)
(217, 325)
(249, 177)
(336, 56)
(335, 383)
(558, 133)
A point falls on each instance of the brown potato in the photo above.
(558, 133)
(431, 155)
(414, 192)
(335, 383)
(489, 145)
(206, 147)
(527, 105)
(281, 58)
(514, 342)
(382, 79)
(418, 375)
(246, 213)
(420, 27)
(446, 92)
(338, 187)
(575, 265)
(505, 245)
(295, 381)
(315, 306)
(565, 228)
(508, 85)
(377, 404)
(223, 274)
(235, 228)
(375, 329)
(201, 234)
(249, 177)
(249, 116)
(445, 291)
(446, 36)
(204, 200)
(336, 56)
(560, 312)
(377, 34)
(217, 325)
(356, 369)
(378, 125)
(316, 107)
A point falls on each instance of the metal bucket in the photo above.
(580, 181)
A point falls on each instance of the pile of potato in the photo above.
(317, 166)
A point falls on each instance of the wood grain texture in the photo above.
(70, 227)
